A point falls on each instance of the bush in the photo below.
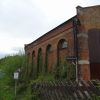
(65, 70)
(43, 78)
(9, 65)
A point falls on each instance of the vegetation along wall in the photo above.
(69, 42)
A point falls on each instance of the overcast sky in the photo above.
(23, 21)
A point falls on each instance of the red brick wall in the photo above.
(89, 18)
(65, 31)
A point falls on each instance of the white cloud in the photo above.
(22, 21)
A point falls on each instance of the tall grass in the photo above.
(8, 66)
(28, 76)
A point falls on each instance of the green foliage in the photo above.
(96, 83)
(24, 92)
(43, 78)
(95, 97)
(9, 65)
(29, 71)
(65, 70)
(35, 95)
(39, 62)
(6, 91)
(34, 70)
(29, 75)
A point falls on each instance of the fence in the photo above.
(62, 90)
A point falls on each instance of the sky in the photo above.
(23, 21)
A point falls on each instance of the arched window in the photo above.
(62, 44)
(48, 49)
(48, 57)
(33, 53)
(61, 51)
(28, 58)
(39, 61)
(33, 56)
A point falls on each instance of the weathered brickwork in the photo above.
(64, 35)
(90, 19)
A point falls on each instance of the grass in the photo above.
(8, 65)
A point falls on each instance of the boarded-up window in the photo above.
(94, 45)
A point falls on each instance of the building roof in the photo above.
(26, 45)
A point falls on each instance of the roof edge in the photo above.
(50, 31)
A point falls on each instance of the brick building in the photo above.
(76, 39)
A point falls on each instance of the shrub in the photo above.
(65, 70)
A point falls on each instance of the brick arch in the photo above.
(61, 38)
(39, 61)
(33, 57)
(62, 50)
(48, 57)
(28, 57)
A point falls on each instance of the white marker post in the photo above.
(16, 75)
